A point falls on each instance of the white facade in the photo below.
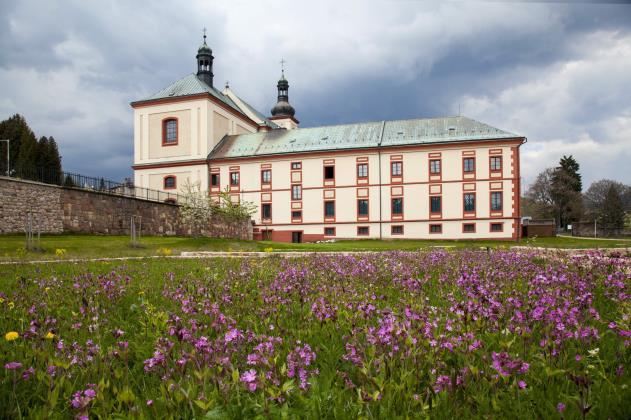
(415, 187)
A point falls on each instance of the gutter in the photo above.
(383, 127)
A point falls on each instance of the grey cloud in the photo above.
(72, 67)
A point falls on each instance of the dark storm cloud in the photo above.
(72, 67)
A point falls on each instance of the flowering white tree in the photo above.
(198, 207)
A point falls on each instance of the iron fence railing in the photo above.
(102, 185)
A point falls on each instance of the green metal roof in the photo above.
(356, 136)
(192, 85)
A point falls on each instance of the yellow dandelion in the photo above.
(11, 305)
(11, 335)
(49, 335)
(1, 300)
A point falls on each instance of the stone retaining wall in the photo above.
(60, 209)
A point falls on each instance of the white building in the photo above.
(447, 178)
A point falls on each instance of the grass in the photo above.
(102, 323)
(99, 246)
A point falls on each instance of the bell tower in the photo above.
(205, 63)
(283, 113)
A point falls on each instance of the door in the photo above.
(296, 237)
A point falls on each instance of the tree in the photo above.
(594, 197)
(15, 129)
(556, 193)
(30, 158)
(539, 196)
(198, 208)
(570, 166)
(612, 215)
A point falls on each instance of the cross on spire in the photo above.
(282, 66)
(204, 31)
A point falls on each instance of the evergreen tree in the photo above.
(26, 161)
(566, 191)
(571, 167)
(16, 130)
(54, 161)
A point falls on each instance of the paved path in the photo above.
(295, 254)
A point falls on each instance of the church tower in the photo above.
(283, 113)
(205, 63)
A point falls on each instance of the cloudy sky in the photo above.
(558, 72)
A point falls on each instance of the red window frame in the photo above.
(392, 232)
(263, 213)
(362, 176)
(263, 182)
(440, 167)
(164, 182)
(165, 121)
(238, 184)
(218, 175)
(363, 227)
(440, 228)
(491, 159)
(329, 227)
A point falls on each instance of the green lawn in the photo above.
(97, 246)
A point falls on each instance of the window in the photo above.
(362, 230)
(435, 228)
(234, 179)
(329, 209)
(435, 204)
(329, 231)
(434, 166)
(496, 163)
(266, 176)
(266, 211)
(468, 227)
(296, 165)
(296, 192)
(169, 132)
(497, 227)
(214, 180)
(362, 170)
(169, 182)
(396, 230)
(469, 202)
(496, 201)
(329, 172)
(296, 214)
(468, 164)
(362, 207)
(397, 206)
(397, 168)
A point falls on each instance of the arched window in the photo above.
(169, 132)
(170, 182)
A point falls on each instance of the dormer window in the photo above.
(169, 132)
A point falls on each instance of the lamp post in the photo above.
(8, 161)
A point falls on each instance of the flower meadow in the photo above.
(382, 335)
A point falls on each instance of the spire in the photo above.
(205, 63)
(282, 107)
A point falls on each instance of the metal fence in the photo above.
(102, 185)
(596, 229)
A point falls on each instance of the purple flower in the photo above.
(26, 375)
(149, 403)
(13, 365)
(522, 385)
(249, 378)
(560, 407)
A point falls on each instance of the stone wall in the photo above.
(60, 209)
